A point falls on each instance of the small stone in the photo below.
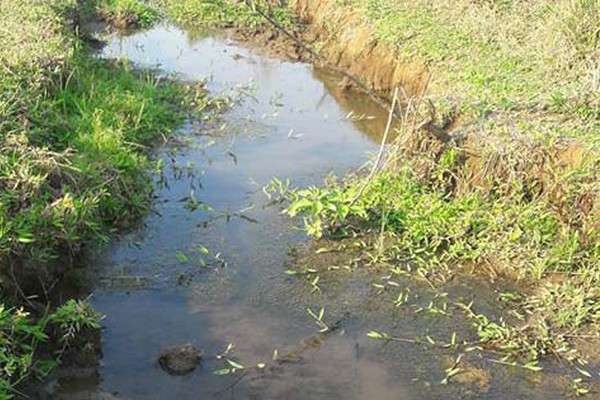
(179, 360)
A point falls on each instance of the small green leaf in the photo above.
(182, 257)
(203, 250)
(375, 335)
(224, 371)
(234, 364)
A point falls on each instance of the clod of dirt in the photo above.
(179, 360)
(346, 84)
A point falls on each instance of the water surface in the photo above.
(156, 290)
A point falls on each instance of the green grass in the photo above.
(224, 13)
(77, 168)
(75, 133)
(510, 234)
(72, 162)
(505, 53)
(21, 336)
(122, 14)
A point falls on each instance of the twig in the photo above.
(381, 149)
(17, 286)
(231, 385)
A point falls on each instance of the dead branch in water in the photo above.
(320, 59)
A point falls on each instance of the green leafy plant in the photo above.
(127, 13)
(21, 335)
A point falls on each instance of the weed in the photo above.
(20, 336)
(124, 14)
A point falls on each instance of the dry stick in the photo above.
(388, 126)
(232, 385)
(407, 126)
(403, 119)
(17, 286)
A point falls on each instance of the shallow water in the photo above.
(155, 293)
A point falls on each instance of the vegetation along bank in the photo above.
(74, 165)
(494, 170)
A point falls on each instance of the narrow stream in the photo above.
(152, 285)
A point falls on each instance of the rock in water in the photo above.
(179, 360)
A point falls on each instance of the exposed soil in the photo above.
(354, 48)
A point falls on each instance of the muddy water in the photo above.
(158, 287)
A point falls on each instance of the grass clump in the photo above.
(22, 337)
(72, 164)
(431, 229)
(126, 13)
(508, 54)
(77, 168)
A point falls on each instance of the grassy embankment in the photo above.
(516, 192)
(73, 162)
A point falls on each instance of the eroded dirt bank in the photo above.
(495, 151)
(350, 44)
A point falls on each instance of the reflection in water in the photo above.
(157, 291)
(367, 116)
